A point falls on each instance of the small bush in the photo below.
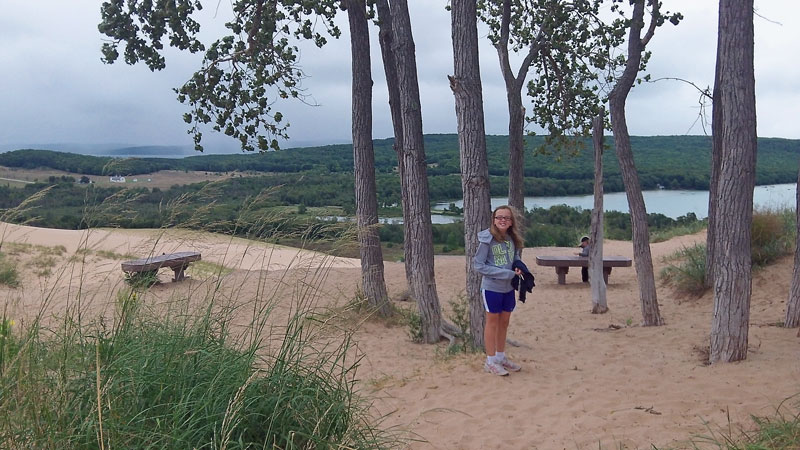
(8, 273)
(772, 235)
(414, 323)
(687, 272)
(460, 317)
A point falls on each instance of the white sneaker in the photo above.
(495, 369)
(510, 366)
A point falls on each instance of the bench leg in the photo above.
(562, 274)
(606, 273)
(179, 273)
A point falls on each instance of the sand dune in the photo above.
(584, 384)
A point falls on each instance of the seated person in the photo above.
(585, 247)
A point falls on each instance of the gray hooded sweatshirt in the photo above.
(493, 260)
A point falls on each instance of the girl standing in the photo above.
(498, 248)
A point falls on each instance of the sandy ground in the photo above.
(588, 381)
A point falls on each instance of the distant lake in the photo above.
(670, 203)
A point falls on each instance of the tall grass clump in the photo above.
(171, 381)
(8, 272)
(773, 235)
(687, 270)
(460, 318)
(780, 431)
(209, 369)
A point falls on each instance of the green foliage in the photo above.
(9, 343)
(303, 177)
(8, 272)
(562, 225)
(780, 431)
(460, 318)
(179, 381)
(676, 162)
(687, 270)
(413, 322)
(680, 229)
(564, 67)
(772, 235)
(243, 73)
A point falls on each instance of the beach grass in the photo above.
(773, 234)
(777, 431)
(210, 368)
(8, 272)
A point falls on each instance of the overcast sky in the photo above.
(54, 88)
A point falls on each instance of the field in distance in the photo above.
(161, 179)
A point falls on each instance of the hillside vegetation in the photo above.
(676, 162)
(296, 186)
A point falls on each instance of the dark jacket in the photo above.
(527, 283)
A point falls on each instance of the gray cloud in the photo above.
(55, 89)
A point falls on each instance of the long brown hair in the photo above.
(514, 231)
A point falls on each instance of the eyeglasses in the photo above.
(503, 218)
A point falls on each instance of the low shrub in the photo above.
(772, 235)
(8, 272)
(687, 272)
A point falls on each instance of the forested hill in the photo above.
(671, 161)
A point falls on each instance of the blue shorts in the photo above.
(497, 302)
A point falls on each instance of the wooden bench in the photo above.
(563, 263)
(178, 262)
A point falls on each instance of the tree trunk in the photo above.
(792, 319)
(713, 180)
(466, 86)
(516, 151)
(386, 40)
(516, 112)
(369, 243)
(732, 260)
(596, 279)
(417, 210)
(633, 190)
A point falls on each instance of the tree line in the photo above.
(673, 162)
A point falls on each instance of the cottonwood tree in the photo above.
(372, 270)
(635, 61)
(397, 48)
(732, 254)
(242, 74)
(466, 86)
(562, 43)
(245, 73)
